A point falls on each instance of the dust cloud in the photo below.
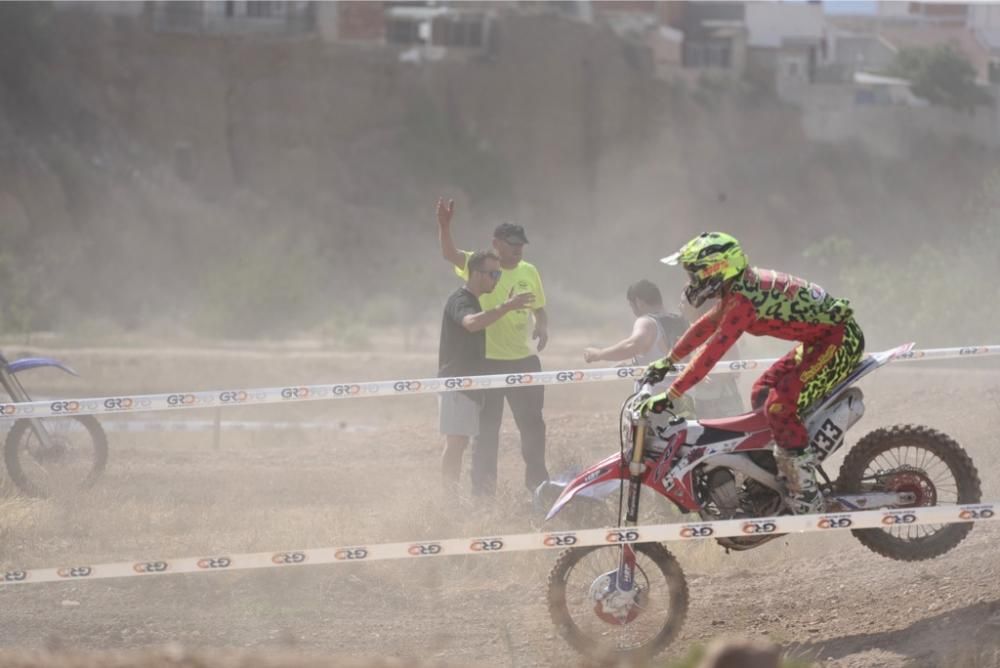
(188, 212)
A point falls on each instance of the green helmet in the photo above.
(711, 260)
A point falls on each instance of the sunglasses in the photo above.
(495, 274)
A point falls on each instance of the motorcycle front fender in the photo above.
(35, 362)
(596, 482)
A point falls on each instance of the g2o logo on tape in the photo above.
(150, 567)
(697, 531)
(911, 355)
(569, 376)
(457, 383)
(424, 549)
(294, 392)
(285, 558)
(75, 572)
(628, 536)
(181, 399)
(7, 409)
(984, 513)
(235, 397)
(119, 403)
(752, 528)
(65, 406)
(486, 545)
(345, 390)
(742, 365)
(351, 553)
(976, 350)
(560, 540)
(215, 562)
(890, 519)
(519, 379)
(834, 523)
(628, 372)
(15, 576)
(407, 385)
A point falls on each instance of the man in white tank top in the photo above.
(653, 334)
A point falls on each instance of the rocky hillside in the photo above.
(242, 186)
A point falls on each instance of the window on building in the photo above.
(402, 31)
(459, 31)
(707, 53)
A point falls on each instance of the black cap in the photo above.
(511, 233)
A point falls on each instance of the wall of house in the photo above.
(769, 22)
(831, 114)
(351, 21)
(865, 53)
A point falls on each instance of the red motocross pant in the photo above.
(803, 376)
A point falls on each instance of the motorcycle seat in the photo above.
(746, 423)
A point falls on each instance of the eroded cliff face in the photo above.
(149, 175)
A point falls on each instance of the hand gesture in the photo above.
(519, 301)
(445, 210)
(591, 355)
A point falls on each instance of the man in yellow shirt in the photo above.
(507, 351)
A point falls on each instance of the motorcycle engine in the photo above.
(727, 498)
(724, 493)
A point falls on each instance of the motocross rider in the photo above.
(764, 302)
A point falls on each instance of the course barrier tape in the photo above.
(494, 544)
(276, 395)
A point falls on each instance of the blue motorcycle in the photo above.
(50, 455)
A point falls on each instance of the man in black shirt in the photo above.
(462, 352)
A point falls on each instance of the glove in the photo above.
(657, 404)
(657, 371)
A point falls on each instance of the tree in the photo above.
(941, 75)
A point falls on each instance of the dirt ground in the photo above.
(824, 598)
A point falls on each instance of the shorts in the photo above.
(459, 413)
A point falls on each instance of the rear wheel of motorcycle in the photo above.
(75, 461)
(654, 627)
(935, 466)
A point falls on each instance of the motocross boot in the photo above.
(797, 471)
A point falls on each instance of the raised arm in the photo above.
(445, 211)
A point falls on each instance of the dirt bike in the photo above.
(52, 454)
(629, 600)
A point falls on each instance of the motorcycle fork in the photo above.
(20, 395)
(626, 560)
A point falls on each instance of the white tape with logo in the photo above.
(868, 519)
(276, 395)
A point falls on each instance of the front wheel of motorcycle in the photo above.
(577, 581)
(72, 459)
(924, 462)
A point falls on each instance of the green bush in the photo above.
(937, 295)
(262, 290)
(17, 309)
(941, 75)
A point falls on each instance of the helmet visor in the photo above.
(673, 260)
